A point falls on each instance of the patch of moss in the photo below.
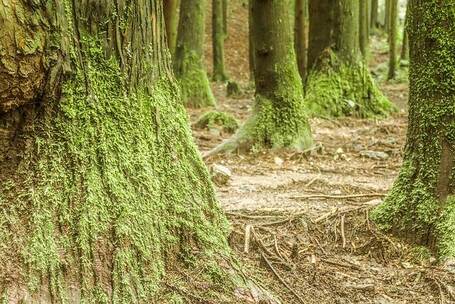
(216, 119)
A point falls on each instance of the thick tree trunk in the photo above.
(421, 204)
(102, 191)
(189, 55)
(301, 36)
(339, 83)
(393, 33)
(279, 118)
(171, 18)
(219, 30)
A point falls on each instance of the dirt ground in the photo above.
(300, 221)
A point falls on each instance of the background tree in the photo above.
(301, 36)
(364, 27)
(102, 191)
(393, 33)
(421, 204)
(171, 18)
(219, 32)
(405, 43)
(189, 55)
(374, 14)
(339, 82)
(279, 119)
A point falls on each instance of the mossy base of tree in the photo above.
(108, 195)
(194, 84)
(336, 89)
(414, 213)
(270, 127)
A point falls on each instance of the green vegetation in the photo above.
(214, 119)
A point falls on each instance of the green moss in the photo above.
(215, 119)
(336, 89)
(109, 187)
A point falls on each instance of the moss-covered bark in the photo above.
(218, 37)
(189, 55)
(421, 204)
(171, 18)
(279, 119)
(102, 191)
(339, 83)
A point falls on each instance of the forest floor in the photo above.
(300, 220)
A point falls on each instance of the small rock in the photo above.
(375, 154)
(221, 175)
(278, 161)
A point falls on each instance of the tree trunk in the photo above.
(171, 17)
(279, 118)
(393, 33)
(421, 204)
(218, 36)
(102, 191)
(374, 14)
(250, 39)
(189, 64)
(363, 27)
(405, 44)
(387, 15)
(339, 83)
(301, 36)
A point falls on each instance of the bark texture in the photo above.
(102, 191)
(364, 35)
(219, 32)
(339, 83)
(421, 204)
(393, 37)
(171, 18)
(279, 118)
(301, 36)
(189, 55)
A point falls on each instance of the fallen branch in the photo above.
(312, 196)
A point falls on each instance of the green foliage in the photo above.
(215, 119)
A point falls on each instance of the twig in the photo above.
(337, 196)
(343, 236)
(246, 248)
(281, 279)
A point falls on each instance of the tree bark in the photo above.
(301, 36)
(363, 27)
(250, 39)
(393, 33)
(102, 191)
(374, 14)
(279, 118)
(339, 83)
(219, 31)
(189, 64)
(421, 205)
(171, 17)
(405, 44)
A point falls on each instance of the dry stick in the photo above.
(247, 238)
(343, 237)
(338, 196)
(280, 278)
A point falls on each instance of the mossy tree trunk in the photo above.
(102, 191)
(301, 36)
(171, 19)
(219, 31)
(364, 36)
(339, 83)
(189, 64)
(279, 119)
(393, 37)
(421, 205)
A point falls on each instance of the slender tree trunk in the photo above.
(171, 17)
(339, 83)
(219, 31)
(102, 191)
(421, 204)
(189, 64)
(301, 36)
(279, 118)
(363, 27)
(387, 15)
(374, 20)
(393, 33)
(405, 45)
(250, 39)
